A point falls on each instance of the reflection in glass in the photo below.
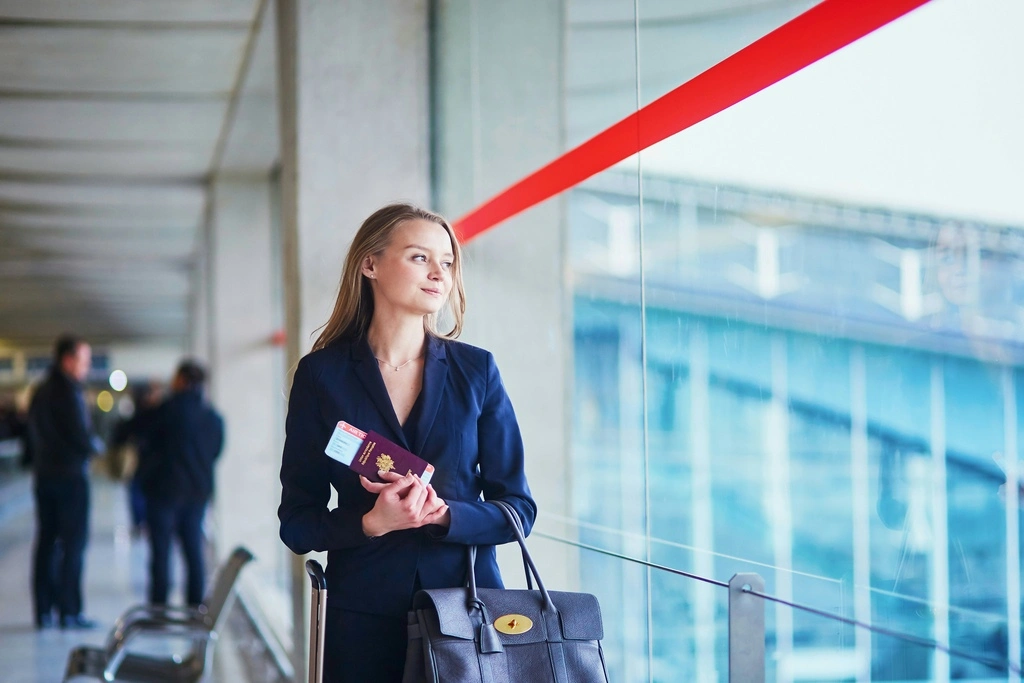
(853, 350)
(797, 327)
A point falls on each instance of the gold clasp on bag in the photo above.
(513, 624)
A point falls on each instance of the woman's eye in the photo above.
(419, 257)
(446, 264)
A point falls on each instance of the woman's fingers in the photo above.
(437, 515)
(405, 502)
(396, 485)
(414, 496)
(432, 501)
(371, 486)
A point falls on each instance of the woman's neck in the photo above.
(396, 340)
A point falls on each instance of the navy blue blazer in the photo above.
(466, 428)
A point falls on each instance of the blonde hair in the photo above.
(353, 309)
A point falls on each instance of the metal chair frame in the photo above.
(114, 662)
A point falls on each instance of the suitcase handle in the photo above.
(317, 615)
(316, 575)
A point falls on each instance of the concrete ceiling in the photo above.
(113, 115)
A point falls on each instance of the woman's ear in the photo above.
(368, 268)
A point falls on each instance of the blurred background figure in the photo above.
(134, 432)
(62, 441)
(13, 432)
(183, 439)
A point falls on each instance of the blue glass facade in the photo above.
(863, 477)
(787, 339)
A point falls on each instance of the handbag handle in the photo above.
(528, 564)
(518, 523)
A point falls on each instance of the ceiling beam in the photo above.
(131, 25)
(186, 11)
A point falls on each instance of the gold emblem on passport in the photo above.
(513, 624)
(385, 463)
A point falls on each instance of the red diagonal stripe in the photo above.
(816, 33)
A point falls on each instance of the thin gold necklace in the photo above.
(398, 367)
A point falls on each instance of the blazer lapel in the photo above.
(435, 376)
(369, 374)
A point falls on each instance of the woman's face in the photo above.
(413, 274)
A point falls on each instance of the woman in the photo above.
(380, 364)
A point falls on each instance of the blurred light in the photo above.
(118, 380)
(105, 401)
(125, 407)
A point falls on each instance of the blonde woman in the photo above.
(382, 364)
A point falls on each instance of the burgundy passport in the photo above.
(378, 453)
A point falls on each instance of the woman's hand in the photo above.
(402, 503)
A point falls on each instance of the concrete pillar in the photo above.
(199, 301)
(246, 383)
(353, 79)
(499, 115)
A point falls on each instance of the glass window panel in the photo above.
(621, 588)
(610, 487)
(498, 100)
(974, 410)
(600, 66)
(679, 40)
(812, 303)
(852, 349)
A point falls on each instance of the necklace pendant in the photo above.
(396, 368)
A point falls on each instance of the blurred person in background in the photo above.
(137, 431)
(13, 427)
(184, 438)
(62, 442)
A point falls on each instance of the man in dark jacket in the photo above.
(186, 438)
(62, 442)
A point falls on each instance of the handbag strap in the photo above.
(528, 564)
(526, 567)
(518, 524)
(489, 641)
(529, 567)
(552, 620)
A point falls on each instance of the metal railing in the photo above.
(747, 598)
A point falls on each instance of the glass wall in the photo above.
(797, 332)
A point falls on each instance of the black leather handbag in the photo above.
(505, 636)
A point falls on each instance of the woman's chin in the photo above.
(424, 310)
(431, 307)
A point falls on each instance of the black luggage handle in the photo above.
(317, 617)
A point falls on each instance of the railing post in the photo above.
(746, 630)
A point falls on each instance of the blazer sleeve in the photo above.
(306, 522)
(502, 473)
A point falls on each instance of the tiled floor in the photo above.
(115, 579)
